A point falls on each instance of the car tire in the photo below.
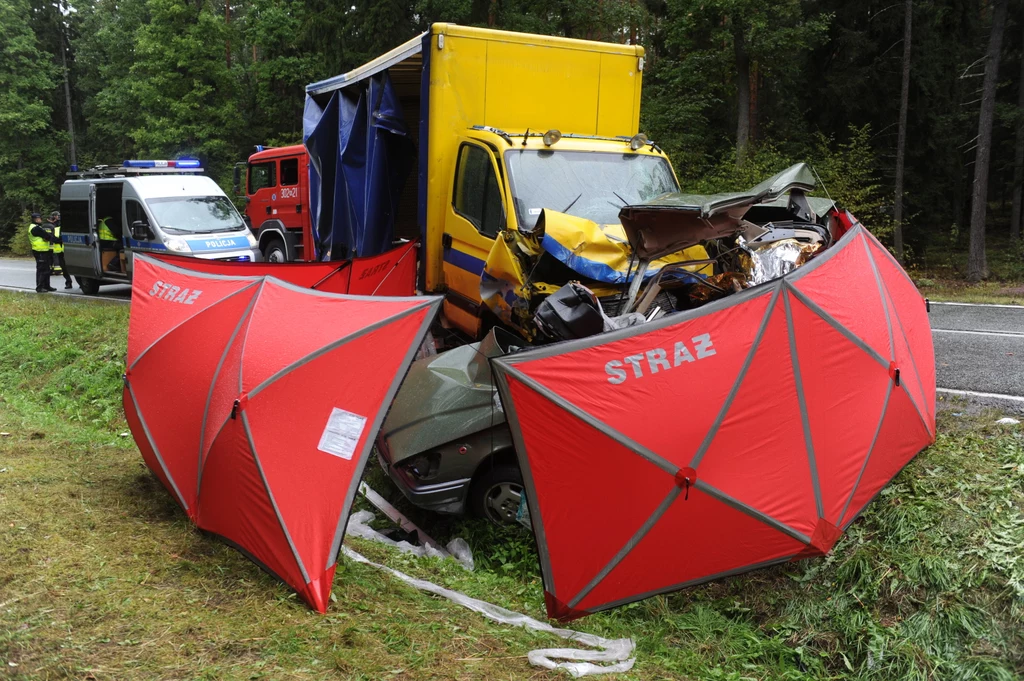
(90, 287)
(274, 251)
(495, 493)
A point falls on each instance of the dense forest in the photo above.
(910, 110)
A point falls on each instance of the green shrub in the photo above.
(847, 172)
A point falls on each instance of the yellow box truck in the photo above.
(509, 155)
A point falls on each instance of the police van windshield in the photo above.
(587, 184)
(196, 215)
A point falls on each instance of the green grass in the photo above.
(102, 577)
(958, 291)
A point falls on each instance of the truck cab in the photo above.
(109, 213)
(504, 180)
(276, 192)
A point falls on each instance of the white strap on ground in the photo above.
(609, 656)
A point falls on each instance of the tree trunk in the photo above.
(742, 94)
(1018, 159)
(901, 142)
(753, 135)
(977, 267)
(67, 100)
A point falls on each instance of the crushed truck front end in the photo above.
(549, 215)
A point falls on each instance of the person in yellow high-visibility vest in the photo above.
(39, 239)
(57, 250)
(108, 243)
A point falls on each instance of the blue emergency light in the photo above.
(180, 163)
(148, 164)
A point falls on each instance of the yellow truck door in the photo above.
(475, 215)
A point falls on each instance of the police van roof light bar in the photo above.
(182, 166)
(183, 162)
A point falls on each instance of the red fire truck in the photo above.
(277, 209)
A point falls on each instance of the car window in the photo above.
(74, 216)
(133, 212)
(289, 172)
(195, 215)
(262, 175)
(477, 195)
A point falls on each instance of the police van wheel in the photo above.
(89, 287)
(274, 251)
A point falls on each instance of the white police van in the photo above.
(109, 213)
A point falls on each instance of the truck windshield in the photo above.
(195, 215)
(587, 184)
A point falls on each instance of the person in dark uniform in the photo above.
(57, 250)
(40, 238)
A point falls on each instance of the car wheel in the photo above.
(496, 494)
(89, 287)
(274, 251)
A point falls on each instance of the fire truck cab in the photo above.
(277, 198)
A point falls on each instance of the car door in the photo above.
(262, 189)
(134, 212)
(81, 249)
(475, 216)
(289, 199)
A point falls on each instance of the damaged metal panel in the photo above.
(675, 221)
(522, 268)
(446, 397)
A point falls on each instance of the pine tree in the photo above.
(186, 93)
(30, 150)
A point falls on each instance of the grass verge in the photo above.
(942, 275)
(959, 291)
(102, 577)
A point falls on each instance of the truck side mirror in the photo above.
(140, 230)
(238, 179)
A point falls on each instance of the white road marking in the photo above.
(1009, 334)
(971, 393)
(1012, 307)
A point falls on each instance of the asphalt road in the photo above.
(20, 274)
(978, 348)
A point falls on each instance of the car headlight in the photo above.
(177, 245)
(423, 466)
(251, 239)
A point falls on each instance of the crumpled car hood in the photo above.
(675, 221)
(445, 397)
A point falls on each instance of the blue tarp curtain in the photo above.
(361, 155)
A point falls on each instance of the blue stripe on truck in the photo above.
(464, 261)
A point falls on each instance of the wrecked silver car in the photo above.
(445, 443)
